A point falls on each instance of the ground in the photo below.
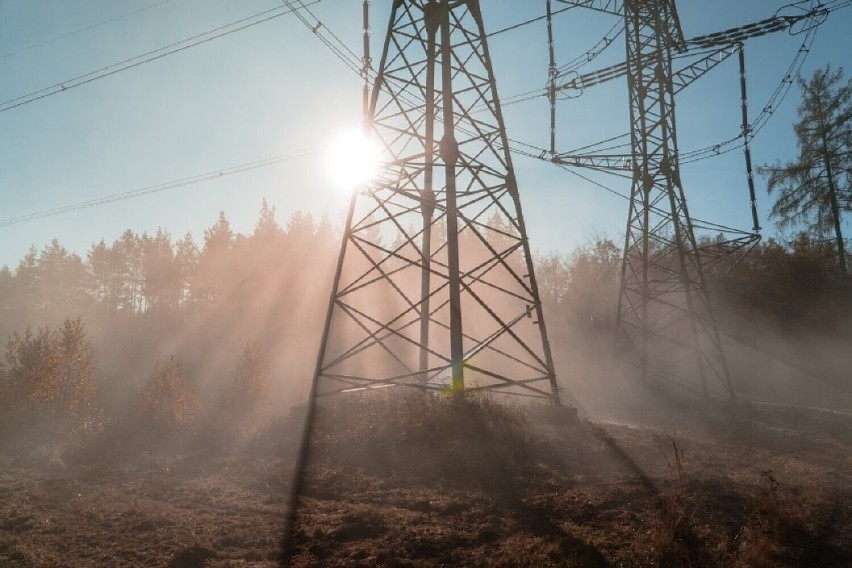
(431, 483)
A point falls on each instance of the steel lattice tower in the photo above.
(434, 287)
(666, 328)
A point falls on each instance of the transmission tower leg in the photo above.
(427, 206)
(449, 150)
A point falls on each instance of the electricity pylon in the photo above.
(434, 287)
(666, 327)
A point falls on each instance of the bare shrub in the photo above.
(674, 540)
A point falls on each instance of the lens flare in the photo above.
(353, 160)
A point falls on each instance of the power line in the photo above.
(595, 183)
(773, 103)
(335, 45)
(769, 109)
(577, 62)
(215, 174)
(87, 28)
(527, 22)
(813, 18)
(319, 24)
(585, 58)
(170, 49)
(703, 224)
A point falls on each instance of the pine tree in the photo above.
(266, 226)
(814, 189)
(160, 272)
(186, 257)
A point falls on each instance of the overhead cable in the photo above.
(590, 55)
(812, 17)
(333, 43)
(775, 100)
(138, 60)
(80, 30)
(215, 174)
(773, 103)
(526, 22)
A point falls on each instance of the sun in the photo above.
(352, 160)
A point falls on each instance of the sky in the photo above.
(275, 89)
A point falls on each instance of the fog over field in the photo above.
(159, 359)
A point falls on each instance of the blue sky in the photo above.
(274, 89)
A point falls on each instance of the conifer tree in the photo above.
(814, 189)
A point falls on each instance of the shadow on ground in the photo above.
(421, 481)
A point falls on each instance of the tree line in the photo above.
(166, 331)
(150, 274)
(147, 315)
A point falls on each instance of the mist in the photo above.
(196, 356)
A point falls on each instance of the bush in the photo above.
(48, 388)
(167, 404)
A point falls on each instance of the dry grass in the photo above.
(489, 485)
(424, 482)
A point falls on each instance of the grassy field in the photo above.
(424, 482)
